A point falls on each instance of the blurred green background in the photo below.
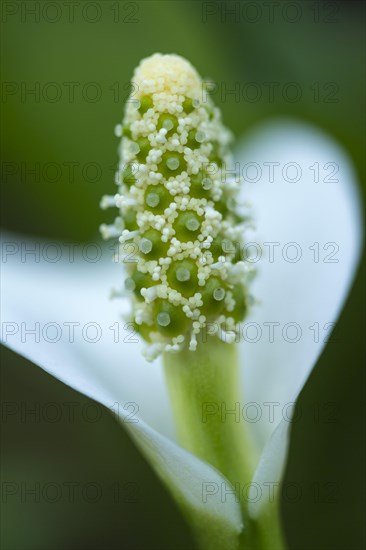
(78, 59)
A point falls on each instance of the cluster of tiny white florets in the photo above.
(179, 222)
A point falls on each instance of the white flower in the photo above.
(303, 213)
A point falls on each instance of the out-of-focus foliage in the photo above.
(310, 68)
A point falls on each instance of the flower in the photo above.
(303, 191)
(177, 206)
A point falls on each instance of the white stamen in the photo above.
(150, 294)
(109, 231)
(123, 202)
(128, 235)
(107, 201)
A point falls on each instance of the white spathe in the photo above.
(70, 302)
(308, 219)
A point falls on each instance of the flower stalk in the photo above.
(204, 393)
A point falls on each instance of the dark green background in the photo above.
(327, 455)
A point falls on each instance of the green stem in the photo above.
(269, 528)
(205, 397)
(204, 390)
